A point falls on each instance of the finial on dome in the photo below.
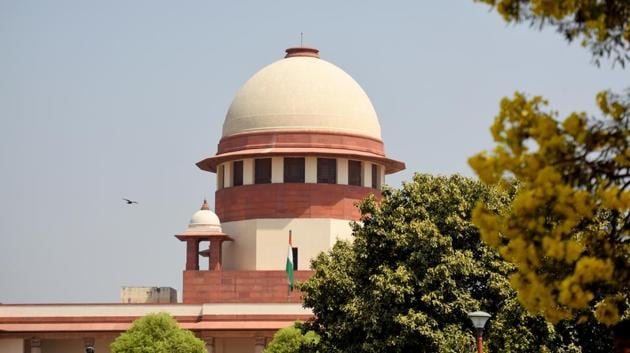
(205, 205)
(302, 51)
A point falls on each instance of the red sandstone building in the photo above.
(301, 145)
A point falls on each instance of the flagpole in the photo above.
(288, 280)
(288, 275)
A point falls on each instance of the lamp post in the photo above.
(479, 319)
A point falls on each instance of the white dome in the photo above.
(205, 220)
(302, 93)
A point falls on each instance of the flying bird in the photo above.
(130, 202)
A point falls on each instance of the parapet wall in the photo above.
(240, 287)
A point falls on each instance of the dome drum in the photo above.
(303, 143)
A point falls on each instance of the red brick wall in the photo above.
(290, 201)
(240, 287)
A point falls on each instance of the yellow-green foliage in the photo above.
(604, 26)
(567, 230)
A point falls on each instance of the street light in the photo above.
(479, 319)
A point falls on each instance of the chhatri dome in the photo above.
(204, 220)
(302, 92)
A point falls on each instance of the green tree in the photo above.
(601, 25)
(157, 333)
(415, 268)
(293, 339)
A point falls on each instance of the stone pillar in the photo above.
(367, 175)
(227, 175)
(36, 345)
(259, 346)
(248, 171)
(342, 171)
(215, 255)
(220, 176)
(192, 255)
(277, 170)
(310, 170)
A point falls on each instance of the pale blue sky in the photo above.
(110, 99)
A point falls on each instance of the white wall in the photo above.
(262, 244)
(340, 230)
(240, 254)
(310, 236)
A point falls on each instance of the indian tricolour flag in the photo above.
(289, 267)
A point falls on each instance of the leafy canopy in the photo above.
(415, 268)
(568, 229)
(603, 26)
(157, 333)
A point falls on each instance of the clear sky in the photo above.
(111, 99)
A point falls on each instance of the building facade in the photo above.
(301, 145)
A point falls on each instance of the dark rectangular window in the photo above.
(354, 173)
(294, 170)
(237, 173)
(375, 176)
(326, 171)
(262, 171)
(295, 258)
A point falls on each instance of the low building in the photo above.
(148, 295)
